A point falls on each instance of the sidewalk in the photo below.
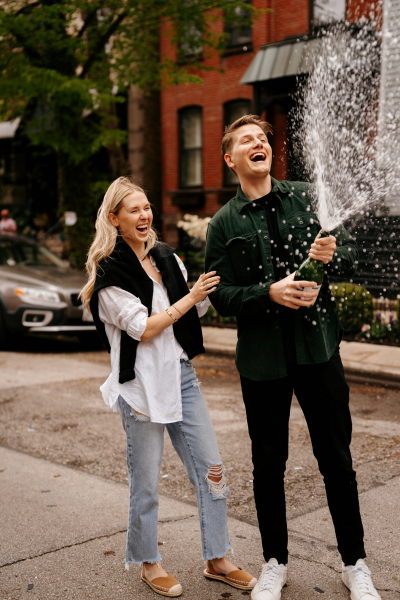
(63, 536)
(361, 361)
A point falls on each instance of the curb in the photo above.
(355, 372)
(220, 350)
(359, 373)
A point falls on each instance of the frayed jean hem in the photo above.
(140, 562)
(212, 556)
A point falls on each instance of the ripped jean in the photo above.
(195, 442)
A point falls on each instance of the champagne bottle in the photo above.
(311, 270)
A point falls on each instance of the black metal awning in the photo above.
(284, 59)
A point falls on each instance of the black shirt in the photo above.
(281, 264)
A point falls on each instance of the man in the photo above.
(7, 225)
(288, 340)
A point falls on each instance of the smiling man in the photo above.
(288, 341)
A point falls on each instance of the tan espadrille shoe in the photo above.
(165, 586)
(239, 579)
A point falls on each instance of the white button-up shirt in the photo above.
(156, 389)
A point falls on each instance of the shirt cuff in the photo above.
(203, 306)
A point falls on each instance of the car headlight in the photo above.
(37, 295)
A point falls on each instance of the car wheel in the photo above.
(90, 340)
(3, 331)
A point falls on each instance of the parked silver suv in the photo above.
(38, 291)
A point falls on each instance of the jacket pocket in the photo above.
(244, 252)
(303, 230)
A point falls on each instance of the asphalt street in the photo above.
(64, 490)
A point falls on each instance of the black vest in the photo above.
(123, 269)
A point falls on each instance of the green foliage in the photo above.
(64, 64)
(354, 304)
(212, 317)
(73, 56)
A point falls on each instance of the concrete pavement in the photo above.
(361, 361)
(62, 532)
(63, 536)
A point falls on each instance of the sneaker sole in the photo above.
(161, 592)
(278, 598)
(225, 580)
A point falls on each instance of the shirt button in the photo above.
(265, 237)
(262, 218)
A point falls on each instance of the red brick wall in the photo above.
(288, 18)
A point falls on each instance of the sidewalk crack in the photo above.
(97, 537)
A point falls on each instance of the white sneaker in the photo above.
(272, 579)
(358, 579)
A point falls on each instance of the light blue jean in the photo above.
(195, 442)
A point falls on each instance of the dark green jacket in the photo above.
(238, 248)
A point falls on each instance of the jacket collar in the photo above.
(242, 201)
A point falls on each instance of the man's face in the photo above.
(250, 154)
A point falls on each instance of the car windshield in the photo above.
(18, 252)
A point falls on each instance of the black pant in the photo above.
(323, 395)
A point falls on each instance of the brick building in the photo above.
(259, 71)
(193, 116)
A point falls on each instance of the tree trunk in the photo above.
(75, 195)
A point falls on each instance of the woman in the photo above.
(149, 321)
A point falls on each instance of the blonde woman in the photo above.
(149, 322)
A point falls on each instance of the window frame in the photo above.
(245, 46)
(314, 27)
(182, 149)
(191, 54)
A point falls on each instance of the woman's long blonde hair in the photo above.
(106, 234)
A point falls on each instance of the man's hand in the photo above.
(286, 292)
(323, 249)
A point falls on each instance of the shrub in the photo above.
(212, 317)
(354, 304)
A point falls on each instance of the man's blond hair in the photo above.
(246, 120)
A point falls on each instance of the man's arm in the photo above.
(229, 298)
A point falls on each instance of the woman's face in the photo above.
(134, 218)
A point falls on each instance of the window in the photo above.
(328, 11)
(233, 111)
(190, 34)
(191, 147)
(239, 33)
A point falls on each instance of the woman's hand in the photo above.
(206, 283)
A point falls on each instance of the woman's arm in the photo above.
(206, 284)
(202, 306)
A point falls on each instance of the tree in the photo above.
(65, 65)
